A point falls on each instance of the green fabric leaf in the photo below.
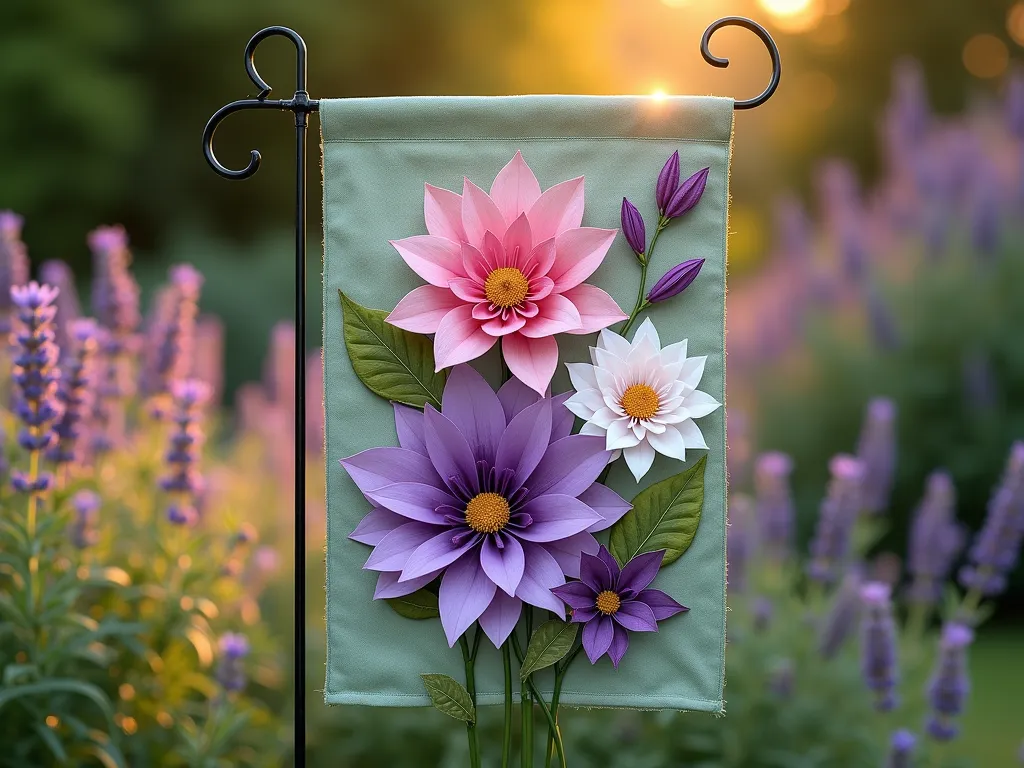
(448, 695)
(664, 516)
(395, 364)
(421, 604)
(552, 640)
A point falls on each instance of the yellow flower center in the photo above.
(640, 401)
(487, 512)
(608, 602)
(506, 287)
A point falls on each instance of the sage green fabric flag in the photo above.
(377, 156)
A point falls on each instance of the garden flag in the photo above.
(524, 368)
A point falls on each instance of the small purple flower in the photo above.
(782, 679)
(174, 330)
(878, 644)
(184, 482)
(611, 602)
(633, 228)
(58, 274)
(208, 359)
(687, 195)
(935, 540)
(997, 545)
(763, 612)
(774, 512)
(842, 617)
(830, 546)
(675, 281)
(86, 505)
(949, 684)
(76, 392)
(877, 451)
(233, 648)
(901, 749)
(668, 182)
(13, 264)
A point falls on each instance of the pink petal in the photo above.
(501, 617)
(480, 214)
(557, 315)
(423, 308)
(578, 252)
(474, 264)
(436, 259)
(485, 311)
(597, 309)
(465, 594)
(515, 188)
(518, 243)
(442, 210)
(532, 361)
(558, 209)
(459, 338)
(467, 289)
(540, 287)
(541, 259)
(498, 327)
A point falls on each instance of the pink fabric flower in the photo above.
(509, 265)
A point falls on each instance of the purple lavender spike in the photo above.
(77, 392)
(935, 540)
(878, 645)
(841, 620)
(176, 329)
(86, 505)
(774, 511)
(877, 452)
(59, 274)
(184, 482)
(901, 750)
(233, 649)
(741, 543)
(830, 546)
(13, 265)
(949, 684)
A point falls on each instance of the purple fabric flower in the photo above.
(183, 481)
(492, 493)
(996, 547)
(611, 602)
(830, 546)
(949, 684)
(878, 645)
(687, 195)
(668, 182)
(675, 281)
(774, 511)
(841, 620)
(13, 264)
(633, 228)
(76, 391)
(233, 649)
(901, 749)
(86, 505)
(877, 451)
(935, 540)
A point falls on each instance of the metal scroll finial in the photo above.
(761, 32)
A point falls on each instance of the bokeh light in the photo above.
(794, 16)
(1015, 23)
(986, 56)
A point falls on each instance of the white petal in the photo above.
(693, 369)
(647, 329)
(638, 429)
(614, 403)
(656, 427)
(604, 418)
(589, 398)
(674, 353)
(609, 362)
(614, 343)
(620, 435)
(592, 429)
(639, 459)
(670, 443)
(692, 435)
(664, 374)
(606, 382)
(700, 404)
(579, 409)
(642, 351)
(582, 376)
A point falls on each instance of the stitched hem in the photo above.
(568, 699)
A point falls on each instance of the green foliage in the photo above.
(450, 696)
(664, 516)
(421, 604)
(551, 641)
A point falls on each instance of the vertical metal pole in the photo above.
(300, 436)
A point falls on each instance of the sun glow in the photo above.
(658, 94)
(794, 15)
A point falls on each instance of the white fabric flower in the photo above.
(643, 398)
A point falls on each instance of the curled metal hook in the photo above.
(300, 103)
(761, 32)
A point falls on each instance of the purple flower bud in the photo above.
(774, 512)
(687, 195)
(76, 391)
(59, 275)
(633, 227)
(668, 182)
(839, 511)
(763, 612)
(173, 330)
(183, 480)
(901, 750)
(675, 281)
(83, 529)
(877, 451)
(842, 617)
(935, 540)
(230, 669)
(949, 684)
(782, 679)
(878, 645)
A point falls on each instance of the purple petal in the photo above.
(514, 397)
(639, 572)
(633, 227)
(567, 552)
(503, 566)
(583, 615)
(473, 407)
(607, 503)
(525, 441)
(562, 419)
(376, 467)
(541, 574)
(611, 562)
(501, 617)
(555, 517)
(594, 572)
(377, 524)
(620, 642)
(636, 617)
(668, 181)
(437, 552)
(465, 594)
(688, 194)
(597, 637)
(448, 449)
(575, 594)
(663, 606)
(409, 425)
(397, 547)
(570, 466)
(388, 585)
(415, 501)
(675, 281)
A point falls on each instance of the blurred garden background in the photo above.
(876, 306)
